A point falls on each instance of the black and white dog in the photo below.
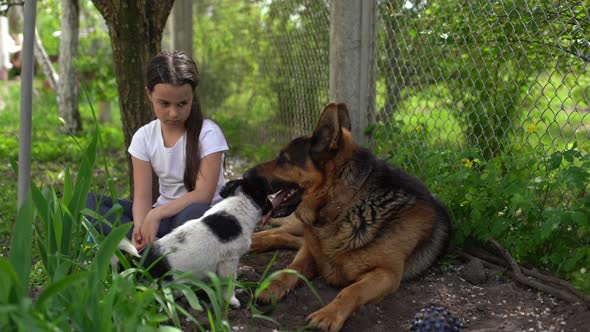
(216, 241)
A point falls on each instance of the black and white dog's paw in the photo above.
(234, 303)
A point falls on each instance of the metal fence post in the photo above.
(352, 60)
(26, 102)
(181, 26)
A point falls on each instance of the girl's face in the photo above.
(172, 103)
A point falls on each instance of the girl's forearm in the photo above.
(174, 207)
(140, 210)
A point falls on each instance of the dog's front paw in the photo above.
(257, 245)
(274, 291)
(234, 303)
(327, 319)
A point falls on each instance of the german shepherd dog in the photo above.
(366, 226)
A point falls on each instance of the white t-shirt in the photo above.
(168, 163)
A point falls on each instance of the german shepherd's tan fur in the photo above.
(365, 225)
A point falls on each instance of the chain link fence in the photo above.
(486, 101)
(270, 69)
(482, 78)
(476, 79)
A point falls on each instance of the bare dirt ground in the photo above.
(488, 302)
(496, 304)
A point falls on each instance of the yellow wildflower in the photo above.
(531, 129)
(467, 162)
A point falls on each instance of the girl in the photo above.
(184, 150)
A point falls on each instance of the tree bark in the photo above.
(67, 88)
(135, 29)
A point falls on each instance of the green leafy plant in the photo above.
(537, 206)
(60, 219)
(80, 291)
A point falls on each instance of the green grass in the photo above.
(51, 151)
(8, 196)
(9, 109)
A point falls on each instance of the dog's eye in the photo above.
(282, 159)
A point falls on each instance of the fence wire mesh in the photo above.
(274, 72)
(481, 78)
(486, 101)
(472, 79)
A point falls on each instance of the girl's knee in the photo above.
(194, 211)
(91, 201)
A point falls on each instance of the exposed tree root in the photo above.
(529, 277)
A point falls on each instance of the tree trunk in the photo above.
(135, 29)
(67, 89)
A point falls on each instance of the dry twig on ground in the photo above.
(529, 277)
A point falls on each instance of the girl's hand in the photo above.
(149, 228)
(136, 238)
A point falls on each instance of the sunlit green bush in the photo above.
(535, 204)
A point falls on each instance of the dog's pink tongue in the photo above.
(275, 202)
(266, 218)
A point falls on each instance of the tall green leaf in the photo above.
(107, 250)
(56, 288)
(83, 178)
(9, 283)
(22, 243)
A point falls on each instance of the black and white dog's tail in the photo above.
(127, 246)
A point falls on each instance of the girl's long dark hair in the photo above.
(177, 68)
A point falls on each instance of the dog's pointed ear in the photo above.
(326, 135)
(230, 188)
(328, 131)
(344, 117)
